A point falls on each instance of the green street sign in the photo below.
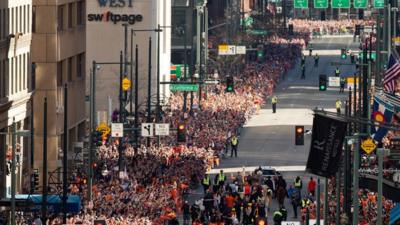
(300, 4)
(257, 32)
(340, 4)
(320, 4)
(379, 4)
(360, 4)
(184, 87)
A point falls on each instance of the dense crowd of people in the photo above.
(328, 26)
(154, 181)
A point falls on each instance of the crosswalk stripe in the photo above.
(252, 168)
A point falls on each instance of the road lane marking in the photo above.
(253, 168)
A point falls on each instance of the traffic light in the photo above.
(181, 137)
(299, 135)
(343, 54)
(260, 53)
(229, 84)
(322, 82)
(358, 29)
(34, 181)
(97, 138)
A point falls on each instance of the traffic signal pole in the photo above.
(13, 169)
(121, 117)
(149, 91)
(65, 156)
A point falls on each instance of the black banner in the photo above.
(326, 145)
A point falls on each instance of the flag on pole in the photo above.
(382, 114)
(392, 72)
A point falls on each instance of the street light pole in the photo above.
(136, 99)
(149, 91)
(318, 202)
(356, 179)
(44, 172)
(65, 156)
(121, 117)
(13, 168)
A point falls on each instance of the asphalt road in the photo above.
(268, 139)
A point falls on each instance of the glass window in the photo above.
(80, 12)
(33, 19)
(80, 64)
(60, 14)
(59, 73)
(70, 14)
(70, 69)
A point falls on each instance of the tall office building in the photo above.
(58, 56)
(15, 88)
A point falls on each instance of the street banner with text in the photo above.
(340, 4)
(320, 4)
(326, 145)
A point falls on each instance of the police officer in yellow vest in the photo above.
(305, 202)
(338, 106)
(337, 72)
(298, 183)
(206, 183)
(234, 144)
(274, 100)
(278, 217)
(220, 179)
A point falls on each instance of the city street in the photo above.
(268, 139)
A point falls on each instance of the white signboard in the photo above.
(290, 223)
(334, 82)
(314, 222)
(162, 129)
(147, 129)
(117, 130)
(226, 49)
(240, 50)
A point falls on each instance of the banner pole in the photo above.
(318, 202)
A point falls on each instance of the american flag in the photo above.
(392, 73)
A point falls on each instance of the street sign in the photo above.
(279, 9)
(396, 41)
(117, 130)
(226, 49)
(290, 223)
(240, 50)
(314, 222)
(104, 129)
(211, 81)
(320, 4)
(379, 4)
(336, 4)
(334, 81)
(126, 84)
(184, 87)
(360, 4)
(368, 146)
(176, 71)
(300, 4)
(257, 32)
(350, 82)
(147, 129)
(162, 129)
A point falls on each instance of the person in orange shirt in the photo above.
(311, 186)
(229, 201)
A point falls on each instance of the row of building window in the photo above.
(70, 69)
(14, 75)
(70, 15)
(16, 20)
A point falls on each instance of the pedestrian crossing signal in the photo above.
(343, 53)
(229, 84)
(299, 135)
(322, 82)
(181, 137)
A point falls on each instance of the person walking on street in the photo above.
(342, 83)
(277, 217)
(337, 72)
(186, 213)
(295, 198)
(220, 179)
(303, 60)
(311, 186)
(338, 106)
(234, 145)
(206, 183)
(316, 59)
(303, 72)
(298, 183)
(274, 100)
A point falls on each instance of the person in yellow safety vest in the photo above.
(206, 183)
(278, 217)
(298, 184)
(338, 106)
(305, 202)
(337, 72)
(220, 179)
(234, 144)
(274, 100)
